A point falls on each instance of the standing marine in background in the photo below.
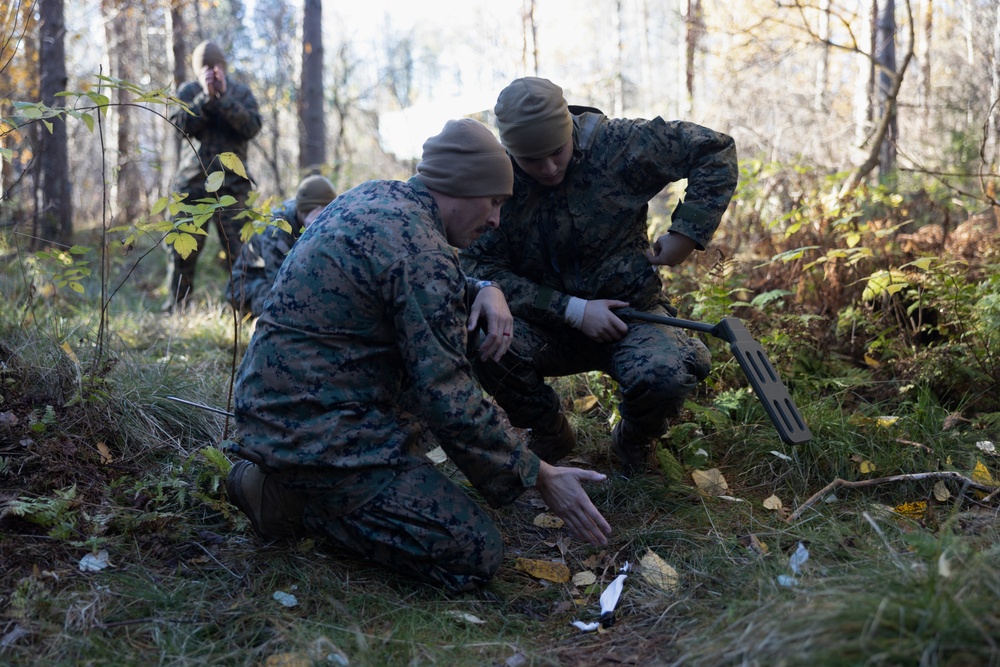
(257, 265)
(221, 116)
(573, 245)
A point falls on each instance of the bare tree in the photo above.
(993, 121)
(529, 30)
(120, 27)
(312, 119)
(823, 64)
(54, 218)
(864, 98)
(694, 25)
(888, 93)
(885, 57)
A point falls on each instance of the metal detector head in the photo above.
(764, 380)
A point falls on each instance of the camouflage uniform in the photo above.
(587, 238)
(370, 307)
(220, 125)
(258, 262)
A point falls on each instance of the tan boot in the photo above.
(553, 440)
(274, 511)
(633, 450)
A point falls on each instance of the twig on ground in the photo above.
(918, 445)
(911, 477)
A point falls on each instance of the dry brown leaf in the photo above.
(543, 569)
(953, 420)
(106, 457)
(941, 492)
(288, 660)
(546, 520)
(585, 404)
(584, 578)
(773, 503)
(752, 543)
(658, 572)
(710, 482)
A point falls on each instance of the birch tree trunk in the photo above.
(823, 64)
(885, 55)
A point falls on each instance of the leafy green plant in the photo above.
(58, 514)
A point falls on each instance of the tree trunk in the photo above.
(618, 108)
(823, 65)
(54, 215)
(993, 122)
(529, 33)
(864, 98)
(891, 94)
(885, 55)
(691, 11)
(924, 83)
(121, 26)
(312, 119)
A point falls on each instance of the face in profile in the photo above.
(468, 218)
(549, 170)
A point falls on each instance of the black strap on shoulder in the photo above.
(587, 125)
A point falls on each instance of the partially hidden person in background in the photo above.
(257, 265)
(221, 116)
(358, 368)
(573, 246)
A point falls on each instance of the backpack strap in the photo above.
(586, 120)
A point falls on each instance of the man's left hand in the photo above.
(670, 249)
(491, 304)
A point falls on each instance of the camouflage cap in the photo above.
(466, 160)
(533, 118)
(207, 53)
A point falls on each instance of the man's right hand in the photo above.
(600, 323)
(562, 491)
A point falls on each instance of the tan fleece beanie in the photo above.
(206, 53)
(533, 118)
(314, 191)
(466, 160)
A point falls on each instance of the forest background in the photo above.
(860, 250)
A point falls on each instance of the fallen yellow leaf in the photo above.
(867, 467)
(585, 404)
(982, 474)
(658, 572)
(543, 569)
(773, 503)
(70, 353)
(914, 510)
(710, 482)
(546, 520)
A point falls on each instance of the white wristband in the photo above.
(574, 312)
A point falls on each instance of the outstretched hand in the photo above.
(600, 323)
(562, 491)
(670, 249)
(491, 304)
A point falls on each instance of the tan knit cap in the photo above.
(314, 191)
(466, 160)
(533, 118)
(207, 53)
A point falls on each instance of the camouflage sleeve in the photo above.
(489, 259)
(239, 108)
(707, 159)
(191, 119)
(248, 286)
(428, 294)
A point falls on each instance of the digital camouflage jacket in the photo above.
(220, 125)
(587, 236)
(257, 265)
(360, 354)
